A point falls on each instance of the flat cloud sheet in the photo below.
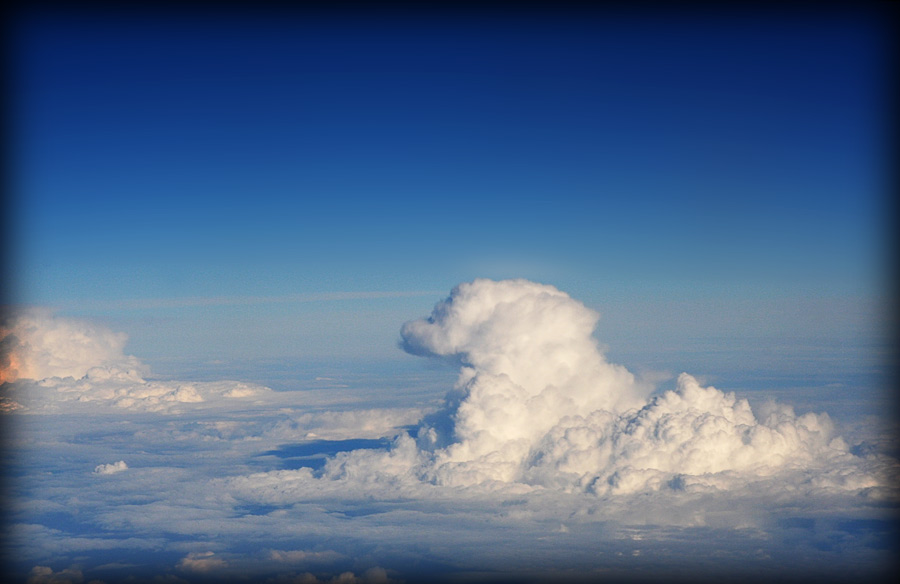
(543, 461)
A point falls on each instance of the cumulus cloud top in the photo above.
(529, 359)
(533, 335)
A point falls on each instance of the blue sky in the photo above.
(177, 156)
(222, 221)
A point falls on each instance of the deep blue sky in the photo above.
(159, 157)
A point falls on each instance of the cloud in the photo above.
(46, 575)
(38, 345)
(537, 403)
(201, 562)
(108, 469)
(537, 408)
(539, 415)
(304, 556)
(348, 424)
(528, 360)
(50, 360)
(115, 393)
(544, 456)
(691, 437)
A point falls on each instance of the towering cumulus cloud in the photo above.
(537, 403)
(529, 361)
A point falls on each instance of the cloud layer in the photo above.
(542, 445)
(536, 404)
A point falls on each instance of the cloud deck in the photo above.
(542, 445)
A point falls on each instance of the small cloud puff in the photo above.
(108, 469)
(201, 562)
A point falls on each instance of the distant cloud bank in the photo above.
(38, 345)
(69, 361)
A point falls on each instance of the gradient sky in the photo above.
(259, 200)
(219, 168)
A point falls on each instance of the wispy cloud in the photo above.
(201, 301)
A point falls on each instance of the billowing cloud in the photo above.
(537, 403)
(692, 437)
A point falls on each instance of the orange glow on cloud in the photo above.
(10, 372)
(11, 362)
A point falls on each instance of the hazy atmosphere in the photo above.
(448, 296)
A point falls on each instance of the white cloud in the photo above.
(537, 407)
(108, 469)
(113, 393)
(55, 360)
(38, 345)
(543, 457)
(584, 446)
(537, 403)
(687, 438)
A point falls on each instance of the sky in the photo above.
(227, 228)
